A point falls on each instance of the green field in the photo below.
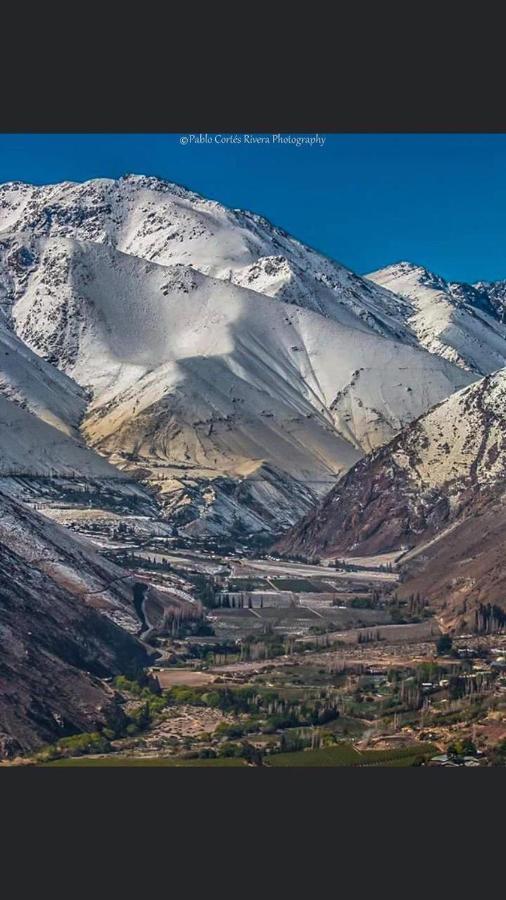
(346, 755)
(136, 762)
(303, 585)
(248, 583)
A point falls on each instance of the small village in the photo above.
(300, 663)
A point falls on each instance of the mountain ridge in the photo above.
(460, 322)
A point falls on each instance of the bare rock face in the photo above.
(9, 746)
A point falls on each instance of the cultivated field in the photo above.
(169, 677)
(144, 762)
(347, 755)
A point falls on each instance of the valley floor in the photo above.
(294, 663)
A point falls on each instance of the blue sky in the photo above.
(366, 200)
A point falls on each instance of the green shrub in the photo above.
(75, 745)
(230, 749)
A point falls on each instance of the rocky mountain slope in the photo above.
(64, 624)
(439, 487)
(67, 620)
(55, 650)
(461, 322)
(409, 489)
(69, 560)
(231, 368)
(461, 572)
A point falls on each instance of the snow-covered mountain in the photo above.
(168, 224)
(196, 380)
(460, 322)
(489, 295)
(229, 366)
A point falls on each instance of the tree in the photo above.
(252, 754)
(498, 754)
(444, 645)
(468, 748)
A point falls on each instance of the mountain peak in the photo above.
(157, 183)
(410, 269)
(461, 322)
